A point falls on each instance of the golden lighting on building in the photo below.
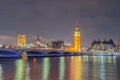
(77, 44)
(76, 47)
(21, 41)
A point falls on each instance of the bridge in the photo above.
(44, 53)
(31, 52)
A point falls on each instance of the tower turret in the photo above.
(21, 40)
(77, 43)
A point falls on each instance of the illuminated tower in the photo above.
(38, 41)
(119, 45)
(21, 41)
(77, 43)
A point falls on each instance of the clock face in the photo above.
(77, 34)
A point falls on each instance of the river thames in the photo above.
(61, 68)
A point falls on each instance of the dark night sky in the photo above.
(56, 19)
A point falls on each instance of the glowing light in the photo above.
(19, 70)
(22, 70)
(21, 41)
(77, 44)
(1, 73)
(34, 70)
(27, 75)
(102, 69)
(34, 59)
(46, 68)
(62, 68)
(76, 69)
(1, 45)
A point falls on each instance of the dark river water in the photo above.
(61, 68)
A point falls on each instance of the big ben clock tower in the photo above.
(77, 41)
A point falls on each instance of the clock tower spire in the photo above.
(77, 41)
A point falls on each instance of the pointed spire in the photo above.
(76, 27)
(38, 38)
(19, 34)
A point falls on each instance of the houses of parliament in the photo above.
(21, 40)
(76, 47)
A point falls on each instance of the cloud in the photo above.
(4, 39)
(32, 38)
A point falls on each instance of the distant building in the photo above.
(77, 40)
(76, 47)
(57, 44)
(118, 46)
(38, 42)
(40, 45)
(21, 40)
(103, 45)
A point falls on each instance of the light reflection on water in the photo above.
(76, 68)
(46, 68)
(34, 69)
(1, 73)
(61, 68)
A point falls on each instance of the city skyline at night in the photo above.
(56, 19)
(59, 39)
